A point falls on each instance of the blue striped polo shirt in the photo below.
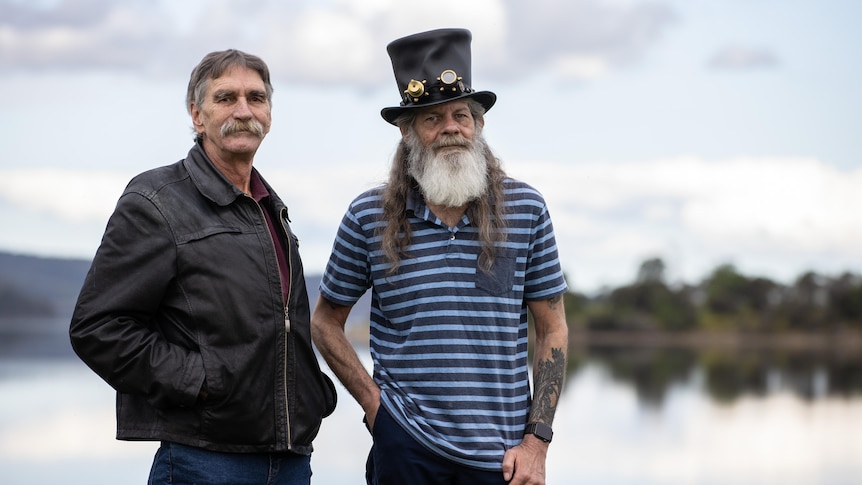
(448, 340)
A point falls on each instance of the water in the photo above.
(674, 418)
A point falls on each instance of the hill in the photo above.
(37, 286)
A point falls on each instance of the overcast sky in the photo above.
(699, 131)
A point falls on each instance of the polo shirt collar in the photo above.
(416, 203)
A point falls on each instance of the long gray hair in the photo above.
(486, 212)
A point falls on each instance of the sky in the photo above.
(701, 132)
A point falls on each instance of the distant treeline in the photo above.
(724, 300)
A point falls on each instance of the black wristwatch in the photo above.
(540, 430)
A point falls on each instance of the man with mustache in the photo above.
(195, 308)
(456, 254)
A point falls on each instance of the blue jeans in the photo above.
(398, 459)
(176, 464)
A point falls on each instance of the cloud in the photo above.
(742, 57)
(81, 35)
(71, 195)
(335, 42)
(582, 39)
(753, 203)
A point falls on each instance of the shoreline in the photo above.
(843, 341)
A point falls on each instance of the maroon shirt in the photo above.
(261, 195)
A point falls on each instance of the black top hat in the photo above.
(432, 68)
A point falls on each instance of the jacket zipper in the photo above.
(290, 287)
(286, 307)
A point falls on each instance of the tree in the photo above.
(845, 300)
(806, 307)
(725, 290)
(651, 271)
(650, 303)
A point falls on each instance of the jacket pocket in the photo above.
(206, 232)
(330, 398)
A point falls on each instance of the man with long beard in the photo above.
(455, 253)
(195, 308)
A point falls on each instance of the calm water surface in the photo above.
(627, 417)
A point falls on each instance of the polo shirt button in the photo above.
(453, 237)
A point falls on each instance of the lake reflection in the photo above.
(628, 416)
(726, 374)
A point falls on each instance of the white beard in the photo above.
(450, 177)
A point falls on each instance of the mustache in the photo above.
(451, 141)
(239, 126)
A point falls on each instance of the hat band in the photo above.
(449, 84)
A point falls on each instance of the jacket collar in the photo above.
(214, 186)
(208, 179)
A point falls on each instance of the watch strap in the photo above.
(540, 430)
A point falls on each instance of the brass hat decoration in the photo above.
(431, 68)
(447, 78)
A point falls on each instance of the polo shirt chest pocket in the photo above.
(501, 277)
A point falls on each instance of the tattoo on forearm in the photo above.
(549, 383)
(554, 301)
